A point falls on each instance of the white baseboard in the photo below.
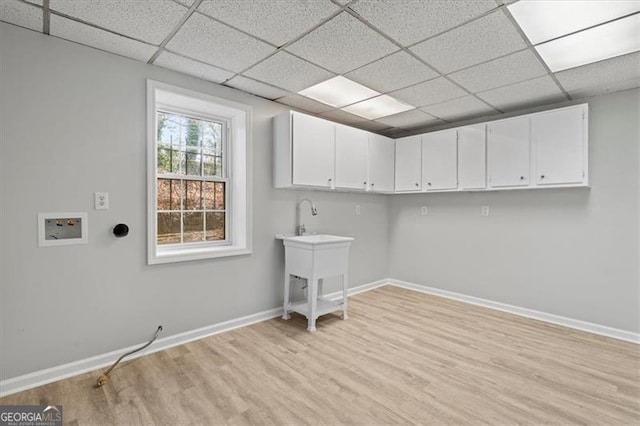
(602, 330)
(53, 374)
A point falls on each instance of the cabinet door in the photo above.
(508, 152)
(408, 164)
(313, 151)
(472, 157)
(559, 145)
(439, 161)
(351, 157)
(381, 162)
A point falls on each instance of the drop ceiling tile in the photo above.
(429, 92)
(277, 22)
(510, 69)
(607, 76)
(407, 120)
(286, 71)
(459, 109)
(195, 68)
(149, 21)
(410, 21)
(103, 40)
(217, 44)
(256, 88)
(342, 44)
(21, 14)
(371, 126)
(393, 72)
(482, 40)
(394, 132)
(539, 91)
(342, 116)
(304, 103)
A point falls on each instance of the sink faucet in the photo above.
(300, 228)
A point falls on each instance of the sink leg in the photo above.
(345, 296)
(285, 307)
(312, 298)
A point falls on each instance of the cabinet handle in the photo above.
(521, 177)
(541, 176)
(330, 179)
(417, 184)
(365, 182)
(372, 183)
(429, 183)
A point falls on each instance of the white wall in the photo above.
(73, 122)
(569, 252)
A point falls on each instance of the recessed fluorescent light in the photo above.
(605, 41)
(545, 20)
(378, 107)
(338, 92)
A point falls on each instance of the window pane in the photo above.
(164, 159)
(215, 226)
(193, 134)
(214, 196)
(177, 161)
(193, 227)
(212, 138)
(168, 228)
(210, 167)
(193, 164)
(169, 194)
(193, 198)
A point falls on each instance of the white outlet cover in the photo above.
(357, 209)
(101, 200)
(485, 211)
(424, 211)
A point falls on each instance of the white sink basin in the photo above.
(318, 239)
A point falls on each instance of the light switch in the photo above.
(101, 200)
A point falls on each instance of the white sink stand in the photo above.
(316, 257)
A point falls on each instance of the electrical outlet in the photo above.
(357, 209)
(484, 211)
(101, 200)
(424, 211)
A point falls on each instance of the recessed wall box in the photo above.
(58, 229)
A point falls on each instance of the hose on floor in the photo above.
(104, 378)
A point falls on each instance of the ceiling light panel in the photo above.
(379, 107)
(545, 20)
(338, 92)
(605, 41)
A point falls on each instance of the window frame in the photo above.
(236, 119)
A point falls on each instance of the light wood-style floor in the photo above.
(401, 358)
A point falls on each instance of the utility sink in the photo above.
(316, 257)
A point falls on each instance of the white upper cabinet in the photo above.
(472, 154)
(313, 151)
(351, 157)
(559, 138)
(381, 163)
(408, 163)
(508, 152)
(439, 160)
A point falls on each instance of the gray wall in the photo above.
(73, 122)
(570, 252)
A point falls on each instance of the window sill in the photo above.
(188, 254)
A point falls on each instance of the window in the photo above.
(198, 174)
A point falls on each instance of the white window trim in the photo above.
(239, 117)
